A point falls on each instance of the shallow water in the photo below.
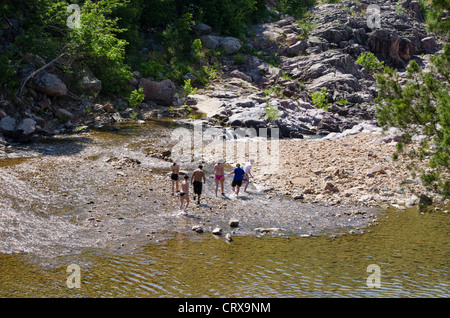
(410, 248)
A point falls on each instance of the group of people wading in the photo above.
(198, 178)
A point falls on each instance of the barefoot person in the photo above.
(248, 173)
(184, 194)
(196, 180)
(175, 176)
(219, 175)
(239, 175)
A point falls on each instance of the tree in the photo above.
(422, 106)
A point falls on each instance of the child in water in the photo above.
(184, 194)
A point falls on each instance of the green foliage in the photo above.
(188, 89)
(272, 113)
(239, 59)
(176, 38)
(197, 49)
(370, 62)
(306, 26)
(154, 66)
(320, 99)
(7, 73)
(342, 101)
(421, 106)
(229, 17)
(136, 97)
(296, 8)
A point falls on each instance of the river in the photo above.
(54, 208)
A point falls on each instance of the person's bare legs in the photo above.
(222, 180)
(217, 184)
(182, 202)
(237, 191)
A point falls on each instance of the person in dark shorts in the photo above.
(239, 175)
(175, 176)
(196, 180)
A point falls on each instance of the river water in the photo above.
(409, 249)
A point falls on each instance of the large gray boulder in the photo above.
(161, 93)
(50, 84)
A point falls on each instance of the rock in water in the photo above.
(217, 231)
(228, 237)
(234, 223)
(197, 228)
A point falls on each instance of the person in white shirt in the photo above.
(248, 173)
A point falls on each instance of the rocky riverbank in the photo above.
(356, 168)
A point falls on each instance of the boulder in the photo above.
(65, 114)
(384, 42)
(234, 223)
(203, 29)
(197, 229)
(428, 44)
(7, 126)
(90, 84)
(217, 231)
(230, 45)
(25, 130)
(406, 49)
(50, 84)
(161, 93)
(211, 41)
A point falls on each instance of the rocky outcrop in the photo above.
(292, 60)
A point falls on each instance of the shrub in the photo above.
(188, 89)
(370, 62)
(272, 113)
(136, 97)
(320, 99)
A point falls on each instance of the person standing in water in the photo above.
(248, 173)
(184, 194)
(219, 175)
(239, 175)
(196, 180)
(175, 176)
